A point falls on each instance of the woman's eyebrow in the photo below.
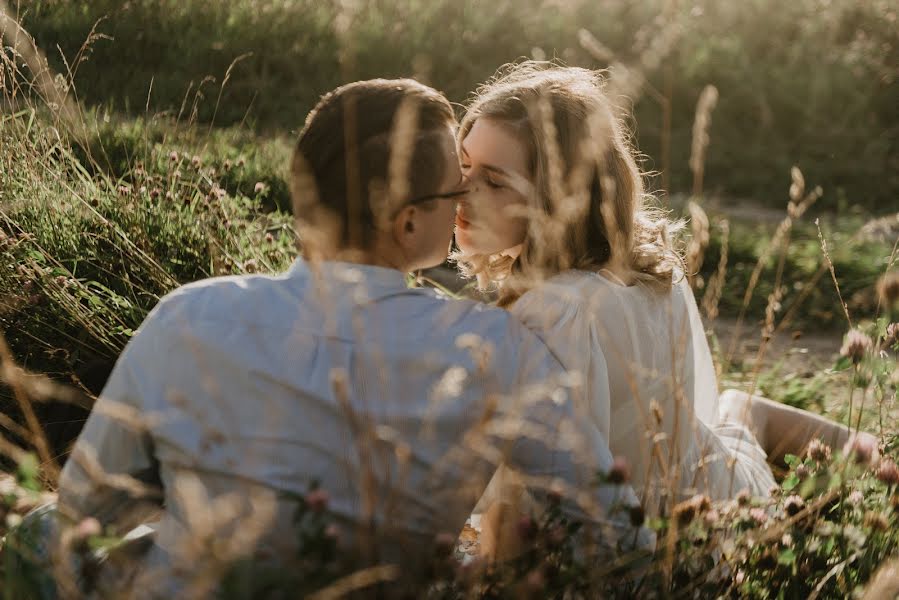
(492, 168)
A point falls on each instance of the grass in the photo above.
(146, 201)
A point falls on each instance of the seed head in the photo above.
(259, 188)
(758, 515)
(317, 500)
(743, 497)
(195, 162)
(863, 447)
(802, 471)
(173, 156)
(855, 346)
(527, 529)
(818, 451)
(637, 515)
(888, 472)
(226, 165)
(793, 504)
(620, 472)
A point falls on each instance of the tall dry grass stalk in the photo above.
(799, 203)
(701, 123)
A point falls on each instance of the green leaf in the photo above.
(843, 363)
(791, 459)
(787, 557)
(790, 482)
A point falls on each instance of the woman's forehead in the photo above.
(490, 142)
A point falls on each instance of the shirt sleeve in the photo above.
(112, 474)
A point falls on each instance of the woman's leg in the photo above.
(781, 429)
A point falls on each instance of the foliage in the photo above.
(810, 82)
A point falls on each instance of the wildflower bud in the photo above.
(124, 190)
(154, 193)
(758, 515)
(862, 446)
(818, 451)
(173, 156)
(89, 527)
(637, 515)
(855, 498)
(891, 338)
(259, 188)
(195, 162)
(855, 346)
(444, 544)
(793, 504)
(143, 189)
(527, 529)
(269, 238)
(226, 223)
(554, 495)
(535, 583)
(251, 266)
(317, 500)
(743, 497)
(684, 512)
(740, 577)
(226, 165)
(888, 289)
(888, 472)
(620, 472)
(241, 162)
(802, 471)
(712, 517)
(786, 540)
(169, 196)
(332, 532)
(62, 281)
(177, 174)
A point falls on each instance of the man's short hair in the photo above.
(357, 142)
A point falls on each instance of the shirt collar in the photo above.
(376, 282)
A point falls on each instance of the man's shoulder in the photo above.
(211, 299)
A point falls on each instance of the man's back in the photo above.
(253, 387)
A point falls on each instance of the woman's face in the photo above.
(490, 217)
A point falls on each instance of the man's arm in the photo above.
(112, 474)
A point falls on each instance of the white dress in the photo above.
(648, 383)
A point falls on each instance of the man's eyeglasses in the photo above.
(422, 199)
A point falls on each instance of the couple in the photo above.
(237, 392)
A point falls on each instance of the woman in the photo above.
(557, 222)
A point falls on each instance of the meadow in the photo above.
(156, 152)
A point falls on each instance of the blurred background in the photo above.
(808, 82)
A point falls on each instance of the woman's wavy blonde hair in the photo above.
(589, 208)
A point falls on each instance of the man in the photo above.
(238, 392)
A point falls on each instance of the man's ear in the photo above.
(405, 224)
